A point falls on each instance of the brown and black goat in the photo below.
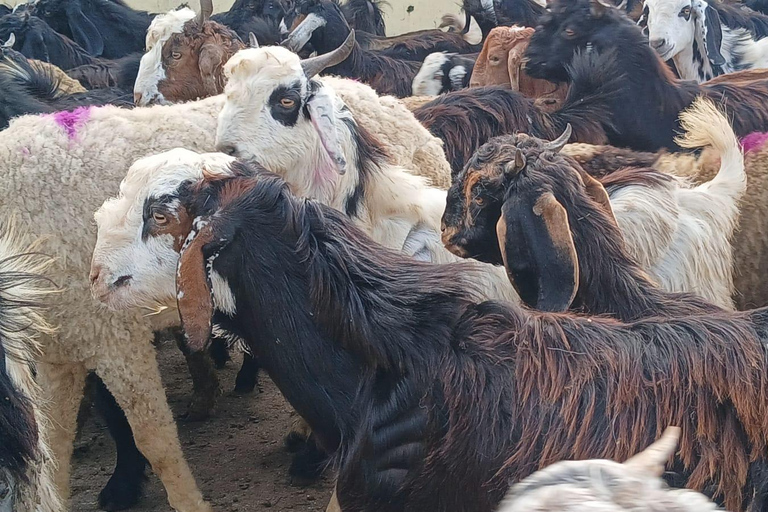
(436, 402)
(644, 112)
(467, 119)
(521, 203)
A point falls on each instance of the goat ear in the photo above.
(34, 47)
(653, 459)
(598, 8)
(597, 192)
(10, 42)
(322, 113)
(708, 24)
(514, 68)
(538, 251)
(83, 30)
(194, 296)
(252, 41)
(212, 58)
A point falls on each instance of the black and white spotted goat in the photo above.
(706, 38)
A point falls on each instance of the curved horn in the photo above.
(557, 144)
(10, 42)
(252, 41)
(206, 9)
(316, 65)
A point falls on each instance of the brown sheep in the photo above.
(501, 63)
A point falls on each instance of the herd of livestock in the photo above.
(518, 263)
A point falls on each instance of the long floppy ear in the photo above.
(478, 78)
(708, 24)
(322, 113)
(538, 251)
(84, 32)
(194, 296)
(212, 58)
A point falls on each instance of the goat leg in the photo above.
(205, 382)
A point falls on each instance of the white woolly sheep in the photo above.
(26, 466)
(607, 486)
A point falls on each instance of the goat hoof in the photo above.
(199, 410)
(121, 492)
(307, 465)
(245, 383)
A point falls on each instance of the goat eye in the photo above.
(569, 33)
(175, 55)
(479, 201)
(159, 218)
(287, 103)
(685, 13)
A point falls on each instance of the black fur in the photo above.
(365, 16)
(261, 17)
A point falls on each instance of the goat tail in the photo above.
(704, 125)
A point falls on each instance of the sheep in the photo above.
(706, 39)
(32, 89)
(26, 467)
(102, 27)
(466, 119)
(54, 170)
(593, 485)
(591, 27)
(443, 72)
(678, 234)
(501, 63)
(454, 398)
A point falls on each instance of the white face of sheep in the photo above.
(675, 26)
(141, 231)
(276, 116)
(151, 71)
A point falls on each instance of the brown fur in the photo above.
(501, 63)
(198, 72)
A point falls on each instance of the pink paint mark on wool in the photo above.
(754, 141)
(72, 120)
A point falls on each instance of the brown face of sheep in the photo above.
(500, 61)
(194, 59)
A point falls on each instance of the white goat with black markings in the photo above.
(279, 115)
(443, 72)
(706, 38)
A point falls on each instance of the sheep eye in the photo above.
(175, 55)
(685, 12)
(495, 58)
(287, 103)
(159, 218)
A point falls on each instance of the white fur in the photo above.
(429, 80)
(151, 71)
(739, 48)
(54, 182)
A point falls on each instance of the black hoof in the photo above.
(121, 492)
(308, 464)
(219, 352)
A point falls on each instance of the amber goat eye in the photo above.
(176, 55)
(569, 32)
(479, 201)
(287, 102)
(159, 218)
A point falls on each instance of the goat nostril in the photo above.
(94, 275)
(121, 281)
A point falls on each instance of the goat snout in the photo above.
(95, 273)
(658, 44)
(137, 98)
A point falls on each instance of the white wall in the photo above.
(401, 15)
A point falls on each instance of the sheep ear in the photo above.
(708, 23)
(653, 459)
(538, 251)
(478, 73)
(514, 68)
(194, 296)
(83, 30)
(322, 113)
(212, 58)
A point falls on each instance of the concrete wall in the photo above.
(401, 15)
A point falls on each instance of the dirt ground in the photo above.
(237, 457)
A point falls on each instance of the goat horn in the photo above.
(557, 144)
(622, 6)
(10, 42)
(316, 65)
(206, 9)
(252, 41)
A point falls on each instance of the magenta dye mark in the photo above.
(754, 141)
(72, 120)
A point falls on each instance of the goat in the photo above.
(679, 235)
(104, 28)
(706, 38)
(647, 84)
(490, 14)
(454, 399)
(104, 74)
(501, 63)
(26, 466)
(29, 89)
(589, 485)
(259, 17)
(467, 119)
(365, 16)
(443, 72)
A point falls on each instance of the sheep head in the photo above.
(511, 206)
(143, 229)
(185, 58)
(278, 115)
(493, 63)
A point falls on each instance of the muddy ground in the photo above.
(237, 457)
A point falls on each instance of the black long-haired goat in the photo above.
(644, 113)
(436, 402)
(465, 120)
